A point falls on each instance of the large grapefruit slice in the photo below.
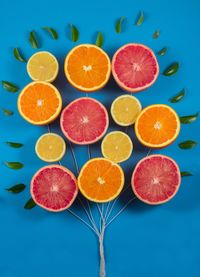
(156, 179)
(134, 67)
(84, 121)
(54, 188)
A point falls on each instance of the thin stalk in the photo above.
(102, 269)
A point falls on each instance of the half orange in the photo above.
(101, 180)
(157, 126)
(39, 103)
(87, 67)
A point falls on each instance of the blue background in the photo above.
(143, 241)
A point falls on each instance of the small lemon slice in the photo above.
(50, 147)
(43, 66)
(125, 109)
(117, 146)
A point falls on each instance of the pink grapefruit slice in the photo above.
(54, 188)
(135, 67)
(84, 121)
(156, 179)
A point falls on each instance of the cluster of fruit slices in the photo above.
(155, 179)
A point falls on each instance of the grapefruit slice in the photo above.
(54, 188)
(156, 179)
(84, 121)
(134, 67)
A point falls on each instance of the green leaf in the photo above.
(33, 39)
(140, 19)
(188, 144)
(17, 188)
(118, 26)
(177, 97)
(156, 34)
(172, 69)
(74, 33)
(7, 112)
(186, 174)
(188, 118)
(162, 51)
(14, 165)
(52, 32)
(14, 144)
(18, 56)
(100, 39)
(9, 86)
(30, 204)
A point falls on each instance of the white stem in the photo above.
(102, 272)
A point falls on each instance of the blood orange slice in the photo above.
(54, 188)
(156, 179)
(135, 67)
(84, 121)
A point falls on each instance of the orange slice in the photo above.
(39, 103)
(87, 67)
(101, 180)
(157, 126)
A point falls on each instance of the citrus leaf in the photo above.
(33, 40)
(18, 56)
(14, 165)
(14, 144)
(186, 174)
(30, 204)
(172, 69)
(156, 34)
(177, 97)
(17, 188)
(52, 32)
(118, 26)
(140, 19)
(9, 86)
(162, 51)
(188, 144)
(187, 119)
(74, 33)
(7, 112)
(100, 39)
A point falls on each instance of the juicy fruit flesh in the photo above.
(84, 121)
(117, 146)
(39, 102)
(53, 188)
(88, 67)
(100, 180)
(157, 125)
(135, 66)
(125, 110)
(156, 179)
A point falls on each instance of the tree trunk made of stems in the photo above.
(102, 272)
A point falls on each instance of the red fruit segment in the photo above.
(54, 188)
(84, 121)
(156, 179)
(135, 67)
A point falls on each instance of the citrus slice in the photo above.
(39, 103)
(135, 67)
(157, 126)
(125, 109)
(156, 179)
(87, 67)
(50, 147)
(117, 146)
(42, 66)
(101, 180)
(54, 188)
(84, 121)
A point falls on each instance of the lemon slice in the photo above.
(43, 66)
(50, 147)
(117, 146)
(125, 109)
